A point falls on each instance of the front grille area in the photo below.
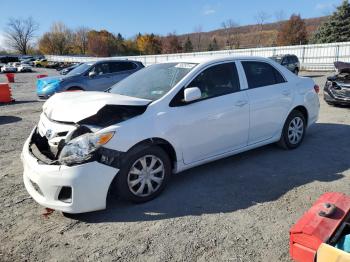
(40, 148)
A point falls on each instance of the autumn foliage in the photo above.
(292, 32)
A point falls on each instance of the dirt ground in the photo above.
(236, 209)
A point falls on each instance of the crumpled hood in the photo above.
(76, 106)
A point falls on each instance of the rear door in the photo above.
(270, 98)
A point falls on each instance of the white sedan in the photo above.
(8, 68)
(161, 120)
(24, 68)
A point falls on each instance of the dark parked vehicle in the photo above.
(8, 59)
(92, 76)
(337, 88)
(289, 61)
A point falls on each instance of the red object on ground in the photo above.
(10, 77)
(41, 76)
(5, 93)
(317, 225)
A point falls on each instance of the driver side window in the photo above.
(101, 69)
(217, 80)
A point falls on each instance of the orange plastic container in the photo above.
(5, 93)
(10, 77)
(318, 225)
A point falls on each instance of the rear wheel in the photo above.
(293, 131)
(144, 174)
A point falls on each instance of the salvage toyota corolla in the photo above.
(161, 120)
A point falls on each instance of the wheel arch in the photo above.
(164, 144)
(74, 87)
(302, 109)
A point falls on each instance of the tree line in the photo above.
(62, 40)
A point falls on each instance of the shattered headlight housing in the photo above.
(80, 149)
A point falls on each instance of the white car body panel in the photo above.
(199, 132)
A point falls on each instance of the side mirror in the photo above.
(192, 94)
(92, 74)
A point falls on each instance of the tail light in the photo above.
(317, 88)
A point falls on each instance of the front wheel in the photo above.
(144, 174)
(293, 131)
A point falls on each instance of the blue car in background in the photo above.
(94, 76)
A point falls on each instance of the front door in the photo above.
(219, 121)
(102, 78)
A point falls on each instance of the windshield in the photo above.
(154, 81)
(80, 69)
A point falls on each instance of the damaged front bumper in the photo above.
(71, 189)
(332, 97)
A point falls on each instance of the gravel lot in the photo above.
(236, 209)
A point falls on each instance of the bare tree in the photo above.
(280, 17)
(59, 40)
(261, 19)
(62, 38)
(81, 39)
(198, 37)
(20, 33)
(231, 33)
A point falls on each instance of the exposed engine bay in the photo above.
(50, 136)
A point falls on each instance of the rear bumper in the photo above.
(89, 183)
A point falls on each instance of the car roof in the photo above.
(114, 60)
(206, 60)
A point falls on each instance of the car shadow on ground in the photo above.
(9, 119)
(241, 181)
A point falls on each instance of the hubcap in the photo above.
(295, 130)
(146, 175)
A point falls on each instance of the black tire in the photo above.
(285, 140)
(121, 183)
(296, 71)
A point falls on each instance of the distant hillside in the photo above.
(249, 34)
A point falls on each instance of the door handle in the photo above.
(241, 103)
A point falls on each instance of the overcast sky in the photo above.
(157, 16)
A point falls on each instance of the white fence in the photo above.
(312, 57)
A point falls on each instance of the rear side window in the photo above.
(217, 80)
(122, 66)
(261, 74)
